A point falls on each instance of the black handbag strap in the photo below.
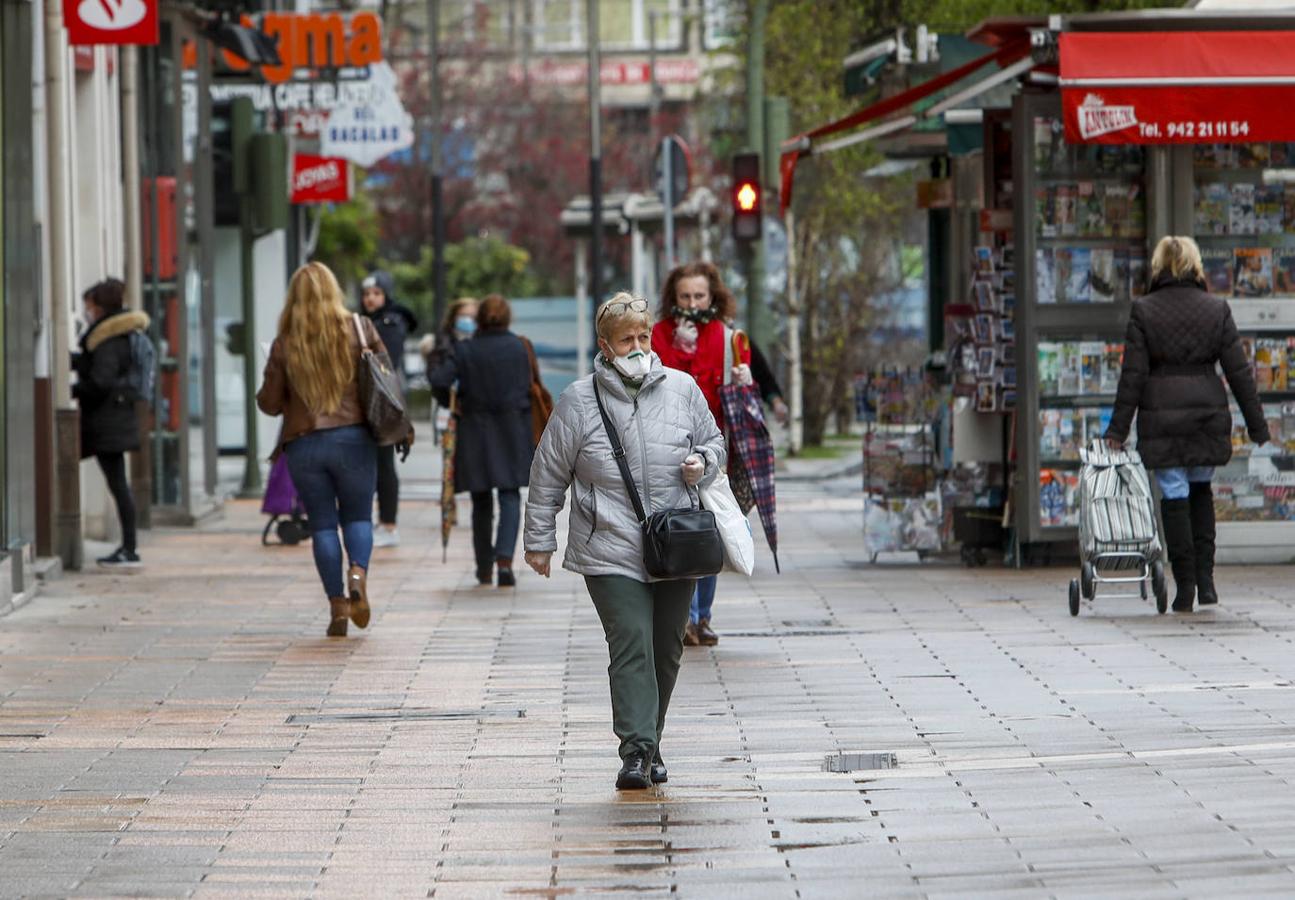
(618, 453)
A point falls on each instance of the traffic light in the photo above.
(748, 197)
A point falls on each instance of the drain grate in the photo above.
(859, 760)
(404, 715)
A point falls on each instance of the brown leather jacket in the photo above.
(276, 396)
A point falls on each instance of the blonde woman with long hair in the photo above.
(310, 380)
(1178, 334)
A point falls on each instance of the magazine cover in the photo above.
(1049, 368)
(1074, 268)
(1112, 362)
(1092, 356)
(1288, 208)
(1137, 224)
(984, 293)
(1118, 209)
(1214, 156)
(1069, 378)
(1284, 271)
(1049, 434)
(983, 328)
(1213, 200)
(1089, 211)
(1102, 278)
(1241, 211)
(1137, 272)
(986, 396)
(1252, 272)
(1279, 155)
(1265, 362)
(1049, 145)
(1070, 438)
(1269, 200)
(985, 260)
(1252, 156)
(1045, 276)
(1045, 211)
(1218, 263)
(1066, 213)
(1122, 274)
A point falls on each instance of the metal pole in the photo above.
(595, 157)
(130, 175)
(668, 199)
(582, 311)
(247, 246)
(204, 197)
(654, 98)
(756, 315)
(67, 490)
(439, 299)
(796, 405)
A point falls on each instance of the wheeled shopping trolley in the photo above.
(1118, 541)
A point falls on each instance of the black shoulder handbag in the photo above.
(380, 395)
(677, 543)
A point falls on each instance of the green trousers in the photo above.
(644, 624)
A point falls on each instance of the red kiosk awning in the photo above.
(1012, 56)
(1178, 87)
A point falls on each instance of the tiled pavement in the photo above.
(189, 731)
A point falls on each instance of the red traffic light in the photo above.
(748, 197)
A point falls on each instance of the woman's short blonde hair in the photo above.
(1177, 257)
(621, 310)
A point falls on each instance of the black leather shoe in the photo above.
(634, 773)
(659, 773)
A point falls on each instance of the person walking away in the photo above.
(394, 323)
(104, 391)
(311, 379)
(672, 445)
(495, 442)
(1177, 333)
(693, 337)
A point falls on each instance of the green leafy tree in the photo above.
(473, 268)
(348, 238)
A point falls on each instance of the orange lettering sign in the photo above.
(309, 41)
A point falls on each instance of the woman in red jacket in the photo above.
(692, 336)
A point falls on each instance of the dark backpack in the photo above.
(141, 377)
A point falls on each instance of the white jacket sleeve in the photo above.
(552, 471)
(708, 440)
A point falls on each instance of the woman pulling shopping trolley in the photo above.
(1178, 336)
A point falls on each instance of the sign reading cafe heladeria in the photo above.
(1178, 87)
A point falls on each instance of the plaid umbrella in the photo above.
(449, 443)
(750, 457)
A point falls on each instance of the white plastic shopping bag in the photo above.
(734, 529)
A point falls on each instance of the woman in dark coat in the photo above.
(109, 425)
(495, 440)
(1177, 334)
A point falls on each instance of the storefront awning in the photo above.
(1183, 87)
(1014, 58)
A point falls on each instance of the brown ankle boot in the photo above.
(690, 636)
(338, 608)
(357, 587)
(705, 636)
(505, 569)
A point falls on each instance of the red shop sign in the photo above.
(110, 22)
(1185, 87)
(320, 179)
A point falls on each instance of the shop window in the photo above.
(622, 24)
(721, 21)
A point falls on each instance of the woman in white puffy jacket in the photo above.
(672, 445)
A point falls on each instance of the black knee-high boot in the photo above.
(1176, 515)
(1202, 503)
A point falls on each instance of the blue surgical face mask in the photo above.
(465, 325)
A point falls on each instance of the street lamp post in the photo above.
(595, 161)
(435, 161)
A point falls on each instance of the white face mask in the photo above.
(634, 365)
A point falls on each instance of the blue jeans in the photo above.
(703, 598)
(1176, 484)
(336, 472)
(505, 538)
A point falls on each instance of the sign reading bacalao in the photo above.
(110, 22)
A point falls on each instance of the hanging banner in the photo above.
(90, 22)
(1187, 87)
(320, 179)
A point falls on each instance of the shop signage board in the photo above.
(320, 179)
(91, 22)
(1189, 87)
(365, 132)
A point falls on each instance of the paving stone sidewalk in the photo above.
(189, 731)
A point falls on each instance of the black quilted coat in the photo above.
(1176, 334)
(108, 420)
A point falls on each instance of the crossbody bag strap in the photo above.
(618, 453)
(359, 333)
